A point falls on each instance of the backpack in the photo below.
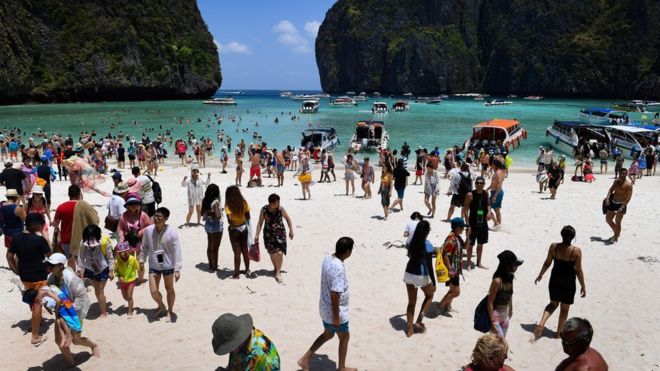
(104, 245)
(464, 186)
(158, 192)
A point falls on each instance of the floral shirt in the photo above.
(261, 355)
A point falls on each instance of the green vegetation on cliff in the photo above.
(89, 50)
(581, 48)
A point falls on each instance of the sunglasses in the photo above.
(480, 183)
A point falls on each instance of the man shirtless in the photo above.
(576, 340)
(616, 201)
(255, 168)
(496, 191)
(279, 167)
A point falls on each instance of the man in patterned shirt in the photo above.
(249, 349)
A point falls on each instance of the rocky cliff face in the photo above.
(575, 48)
(90, 50)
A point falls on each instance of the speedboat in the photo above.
(228, 101)
(601, 116)
(497, 102)
(369, 135)
(631, 140)
(568, 135)
(342, 102)
(379, 107)
(286, 94)
(634, 106)
(533, 97)
(350, 93)
(309, 106)
(496, 134)
(407, 94)
(652, 106)
(322, 138)
(400, 106)
(434, 100)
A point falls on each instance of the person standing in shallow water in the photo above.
(615, 203)
(272, 218)
(567, 266)
(333, 304)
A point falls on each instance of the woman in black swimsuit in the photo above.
(567, 265)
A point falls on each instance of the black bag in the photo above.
(464, 186)
(481, 320)
(158, 192)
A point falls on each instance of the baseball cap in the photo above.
(457, 223)
(56, 259)
(508, 257)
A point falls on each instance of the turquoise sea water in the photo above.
(444, 124)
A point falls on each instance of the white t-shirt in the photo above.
(145, 192)
(410, 228)
(116, 206)
(333, 279)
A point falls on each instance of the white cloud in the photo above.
(289, 36)
(233, 47)
(312, 27)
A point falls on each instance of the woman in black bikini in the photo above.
(567, 265)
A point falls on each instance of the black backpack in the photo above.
(158, 192)
(464, 186)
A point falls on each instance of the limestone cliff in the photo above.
(91, 50)
(574, 48)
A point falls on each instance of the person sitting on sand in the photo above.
(567, 266)
(449, 264)
(616, 202)
(248, 347)
(162, 248)
(576, 339)
(272, 218)
(419, 274)
(333, 305)
(588, 171)
(489, 354)
(126, 271)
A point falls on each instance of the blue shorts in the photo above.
(102, 276)
(342, 327)
(280, 169)
(165, 272)
(213, 226)
(399, 192)
(496, 199)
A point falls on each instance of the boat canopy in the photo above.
(506, 124)
(320, 130)
(597, 110)
(574, 124)
(368, 123)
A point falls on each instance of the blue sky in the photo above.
(266, 44)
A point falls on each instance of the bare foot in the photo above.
(537, 332)
(303, 363)
(482, 266)
(279, 279)
(40, 340)
(410, 331)
(160, 311)
(418, 327)
(96, 352)
(235, 276)
(169, 316)
(130, 315)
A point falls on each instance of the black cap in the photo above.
(508, 257)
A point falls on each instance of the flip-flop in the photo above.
(41, 341)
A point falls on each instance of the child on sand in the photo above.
(53, 304)
(126, 270)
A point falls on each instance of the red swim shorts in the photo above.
(255, 171)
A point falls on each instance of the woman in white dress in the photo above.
(431, 188)
(195, 187)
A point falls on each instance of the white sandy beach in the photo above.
(622, 290)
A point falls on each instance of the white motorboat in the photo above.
(497, 134)
(369, 135)
(379, 107)
(400, 106)
(566, 136)
(220, 101)
(631, 140)
(309, 106)
(601, 116)
(343, 102)
(286, 94)
(324, 138)
(533, 97)
(498, 102)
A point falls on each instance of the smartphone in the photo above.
(480, 216)
(159, 258)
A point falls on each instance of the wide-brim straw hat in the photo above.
(230, 331)
(12, 193)
(37, 189)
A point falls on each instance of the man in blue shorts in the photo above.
(333, 305)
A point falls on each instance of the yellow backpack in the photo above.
(105, 240)
(441, 272)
